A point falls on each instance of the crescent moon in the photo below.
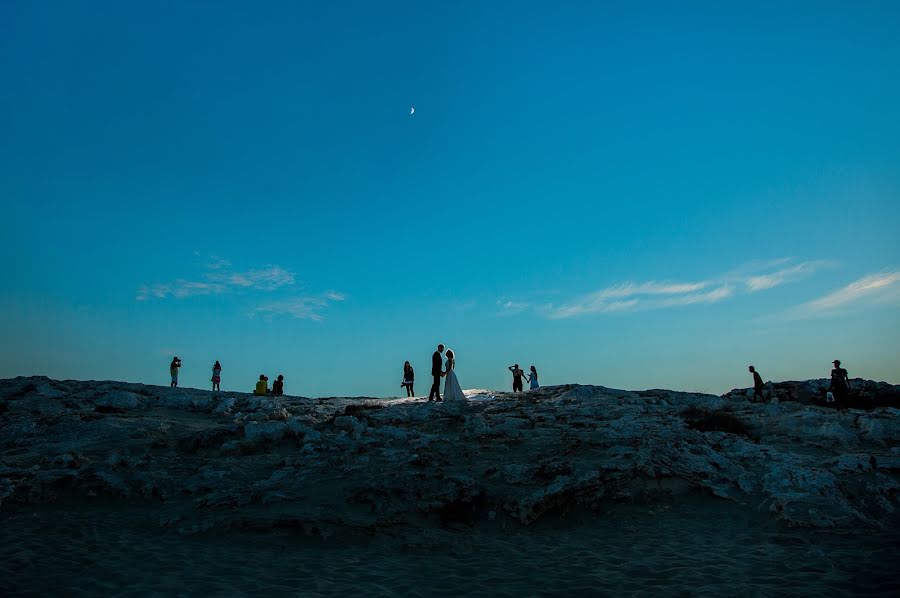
(412, 109)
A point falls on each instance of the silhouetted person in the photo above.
(518, 374)
(757, 384)
(533, 379)
(262, 386)
(436, 373)
(840, 382)
(278, 386)
(409, 378)
(173, 370)
(217, 376)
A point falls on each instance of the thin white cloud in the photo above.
(220, 279)
(264, 279)
(178, 289)
(882, 288)
(762, 282)
(634, 296)
(713, 296)
(218, 263)
(511, 308)
(303, 308)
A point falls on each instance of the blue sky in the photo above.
(629, 194)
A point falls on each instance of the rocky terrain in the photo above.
(197, 462)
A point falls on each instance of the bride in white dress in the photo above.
(452, 391)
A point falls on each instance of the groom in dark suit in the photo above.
(436, 365)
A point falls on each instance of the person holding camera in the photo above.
(173, 370)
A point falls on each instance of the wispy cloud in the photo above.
(179, 289)
(303, 308)
(263, 279)
(633, 296)
(879, 288)
(779, 277)
(220, 278)
(511, 308)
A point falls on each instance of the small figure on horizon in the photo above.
(262, 386)
(452, 390)
(409, 378)
(278, 386)
(436, 373)
(533, 379)
(173, 370)
(517, 374)
(757, 384)
(217, 376)
(840, 382)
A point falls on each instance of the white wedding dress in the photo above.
(452, 391)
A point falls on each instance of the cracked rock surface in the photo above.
(199, 462)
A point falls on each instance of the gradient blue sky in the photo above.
(629, 194)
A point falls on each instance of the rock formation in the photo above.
(233, 460)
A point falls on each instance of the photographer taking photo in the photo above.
(173, 370)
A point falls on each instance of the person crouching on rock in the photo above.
(757, 384)
(518, 374)
(262, 386)
(409, 378)
(278, 386)
(840, 382)
(173, 371)
(217, 376)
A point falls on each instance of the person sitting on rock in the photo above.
(840, 382)
(757, 384)
(262, 386)
(278, 386)
(518, 374)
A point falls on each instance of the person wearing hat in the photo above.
(278, 386)
(173, 371)
(262, 386)
(840, 382)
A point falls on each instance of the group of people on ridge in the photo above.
(409, 375)
(262, 386)
(518, 376)
(838, 389)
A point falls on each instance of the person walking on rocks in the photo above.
(533, 379)
(173, 371)
(517, 374)
(409, 378)
(840, 382)
(217, 376)
(436, 374)
(757, 384)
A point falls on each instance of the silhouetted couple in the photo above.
(452, 390)
(519, 374)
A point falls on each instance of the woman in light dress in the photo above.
(532, 378)
(452, 391)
